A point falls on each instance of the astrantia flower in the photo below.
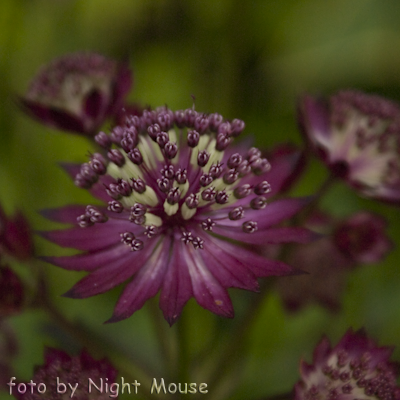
(358, 136)
(181, 203)
(60, 367)
(15, 236)
(356, 368)
(78, 92)
(359, 239)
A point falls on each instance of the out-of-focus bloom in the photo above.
(356, 368)
(15, 236)
(11, 292)
(60, 367)
(78, 92)
(8, 350)
(185, 213)
(362, 238)
(358, 136)
(359, 239)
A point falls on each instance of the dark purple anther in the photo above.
(129, 141)
(242, 191)
(84, 221)
(198, 243)
(151, 231)
(201, 123)
(192, 201)
(222, 197)
(127, 237)
(258, 203)
(138, 209)
(208, 194)
(149, 117)
(249, 226)
(208, 224)
(193, 138)
(224, 128)
(253, 152)
(138, 185)
(98, 164)
(138, 220)
(216, 170)
(153, 131)
(165, 119)
(164, 184)
(124, 189)
(190, 116)
(215, 120)
(168, 171)
(95, 215)
(187, 237)
(115, 156)
(115, 206)
(261, 167)
(103, 140)
(112, 191)
(205, 180)
(88, 173)
(181, 176)
(244, 168)
(237, 127)
(117, 134)
(174, 195)
(135, 156)
(262, 188)
(236, 213)
(234, 160)
(170, 150)
(202, 158)
(137, 245)
(231, 176)
(162, 139)
(82, 182)
(223, 141)
(180, 118)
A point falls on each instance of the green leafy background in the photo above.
(244, 59)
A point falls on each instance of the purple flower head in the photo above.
(15, 236)
(61, 367)
(359, 239)
(362, 237)
(358, 136)
(11, 292)
(78, 92)
(186, 211)
(356, 368)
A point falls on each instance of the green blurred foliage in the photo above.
(249, 60)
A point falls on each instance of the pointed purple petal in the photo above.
(144, 285)
(66, 215)
(260, 266)
(110, 275)
(206, 289)
(177, 287)
(270, 235)
(91, 261)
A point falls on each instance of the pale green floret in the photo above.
(183, 188)
(187, 212)
(148, 197)
(152, 219)
(127, 171)
(170, 209)
(150, 152)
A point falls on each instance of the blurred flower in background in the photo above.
(359, 239)
(8, 352)
(78, 92)
(358, 136)
(60, 367)
(356, 368)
